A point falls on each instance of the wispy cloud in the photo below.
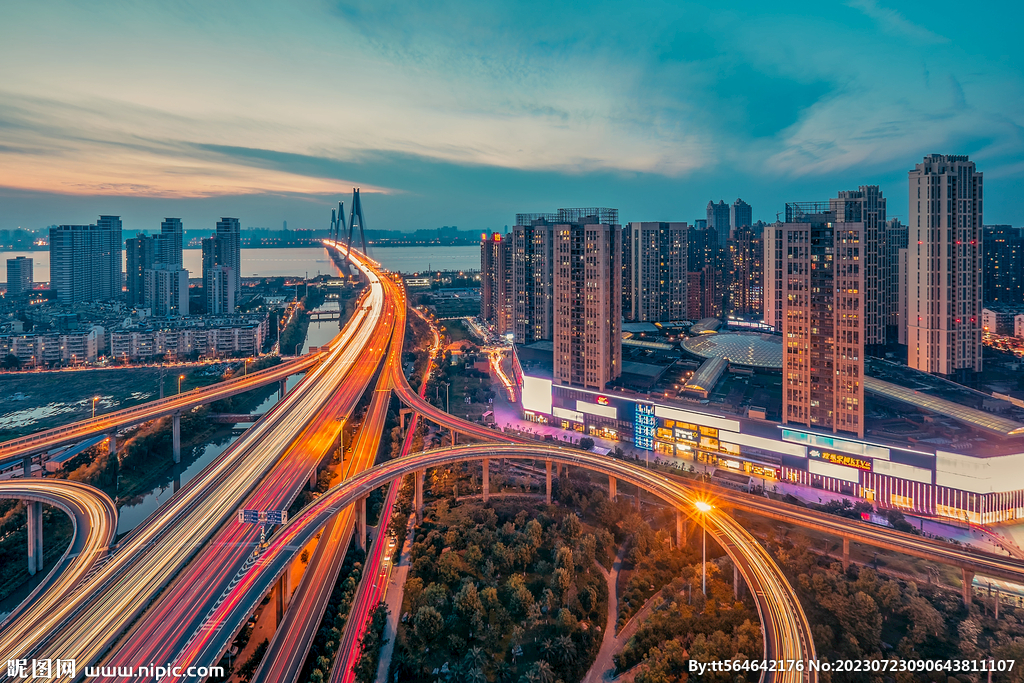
(892, 21)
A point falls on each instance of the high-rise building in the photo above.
(823, 324)
(166, 290)
(890, 276)
(140, 256)
(773, 274)
(945, 268)
(219, 289)
(867, 205)
(229, 248)
(701, 224)
(703, 294)
(533, 277)
(654, 271)
(85, 261)
(719, 219)
(588, 298)
(746, 272)
(740, 215)
(1003, 281)
(172, 237)
(496, 286)
(19, 276)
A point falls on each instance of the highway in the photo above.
(787, 633)
(13, 451)
(84, 626)
(93, 523)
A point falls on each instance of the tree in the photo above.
(11, 361)
(586, 443)
(566, 650)
(545, 674)
(427, 624)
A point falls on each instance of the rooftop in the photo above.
(752, 350)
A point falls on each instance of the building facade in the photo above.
(19, 276)
(945, 265)
(533, 277)
(1003, 280)
(891, 276)
(172, 238)
(720, 219)
(166, 290)
(866, 205)
(85, 261)
(740, 215)
(497, 294)
(746, 273)
(219, 289)
(654, 271)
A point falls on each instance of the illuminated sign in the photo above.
(690, 435)
(602, 400)
(840, 459)
(644, 424)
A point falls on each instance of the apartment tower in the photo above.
(85, 261)
(654, 271)
(496, 285)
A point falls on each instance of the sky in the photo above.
(455, 112)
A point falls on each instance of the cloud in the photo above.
(892, 21)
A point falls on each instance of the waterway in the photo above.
(299, 261)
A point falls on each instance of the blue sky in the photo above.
(465, 113)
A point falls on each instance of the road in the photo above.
(168, 625)
(787, 633)
(12, 451)
(93, 523)
(83, 627)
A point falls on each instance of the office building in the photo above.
(719, 218)
(171, 234)
(496, 285)
(746, 273)
(740, 215)
(19, 276)
(1004, 265)
(533, 277)
(219, 289)
(85, 261)
(822, 319)
(229, 249)
(166, 290)
(945, 268)
(588, 297)
(654, 271)
(867, 205)
(890, 276)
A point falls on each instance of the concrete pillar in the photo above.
(612, 488)
(418, 496)
(487, 478)
(679, 529)
(846, 554)
(402, 414)
(361, 523)
(547, 489)
(312, 479)
(176, 437)
(38, 508)
(279, 600)
(968, 579)
(26, 466)
(34, 532)
(112, 444)
(735, 581)
(455, 438)
(282, 389)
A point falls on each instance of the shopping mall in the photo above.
(924, 453)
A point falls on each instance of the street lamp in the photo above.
(180, 377)
(245, 367)
(447, 406)
(704, 508)
(94, 399)
(297, 348)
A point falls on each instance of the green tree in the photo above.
(427, 624)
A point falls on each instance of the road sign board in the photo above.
(263, 516)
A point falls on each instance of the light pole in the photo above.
(180, 377)
(704, 509)
(297, 348)
(447, 406)
(245, 367)
(94, 399)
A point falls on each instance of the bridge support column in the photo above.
(279, 599)
(282, 389)
(34, 512)
(679, 529)
(361, 523)
(418, 495)
(402, 414)
(547, 489)
(736, 581)
(176, 437)
(612, 488)
(487, 478)
(846, 554)
(313, 479)
(26, 466)
(112, 444)
(968, 579)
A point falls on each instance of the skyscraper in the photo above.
(19, 276)
(823, 326)
(533, 277)
(166, 290)
(172, 235)
(740, 215)
(229, 248)
(1004, 265)
(85, 261)
(588, 298)
(773, 274)
(705, 266)
(140, 256)
(655, 261)
(867, 205)
(496, 287)
(719, 219)
(891, 276)
(219, 289)
(746, 272)
(945, 267)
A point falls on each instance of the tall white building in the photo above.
(944, 262)
(533, 277)
(219, 290)
(867, 205)
(166, 290)
(85, 261)
(655, 271)
(19, 276)
(229, 249)
(774, 263)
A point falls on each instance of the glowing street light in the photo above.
(704, 508)
(180, 377)
(94, 399)
(245, 367)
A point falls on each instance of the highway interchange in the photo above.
(180, 586)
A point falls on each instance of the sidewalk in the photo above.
(393, 597)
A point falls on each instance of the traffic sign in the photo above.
(263, 516)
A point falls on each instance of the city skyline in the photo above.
(512, 110)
